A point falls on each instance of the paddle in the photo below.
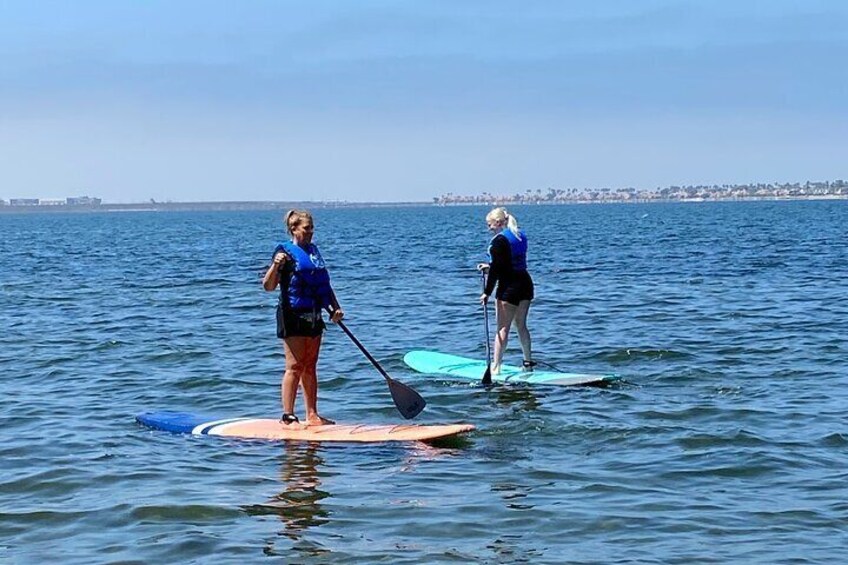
(487, 376)
(409, 403)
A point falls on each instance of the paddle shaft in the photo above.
(487, 376)
(408, 402)
(486, 323)
(363, 350)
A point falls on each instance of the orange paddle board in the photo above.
(267, 428)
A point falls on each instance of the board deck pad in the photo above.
(272, 429)
(434, 363)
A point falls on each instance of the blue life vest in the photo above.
(517, 248)
(309, 287)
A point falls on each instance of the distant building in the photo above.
(83, 201)
(23, 202)
(52, 201)
(2, 202)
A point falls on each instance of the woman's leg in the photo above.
(309, 380)
(296, 354)
(505, 314)
(521, 327)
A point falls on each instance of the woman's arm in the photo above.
(272, 275)
(501, 263)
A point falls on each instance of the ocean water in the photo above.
(726, 442)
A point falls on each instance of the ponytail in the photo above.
(512, 224)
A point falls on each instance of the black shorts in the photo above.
(519, 287)
(293, 323)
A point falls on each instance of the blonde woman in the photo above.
(507, 268)
(298, 270)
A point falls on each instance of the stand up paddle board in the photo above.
(267, 428)
(435, 363)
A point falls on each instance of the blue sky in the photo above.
(395, 101)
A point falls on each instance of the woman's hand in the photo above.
(280, 258)
(484, 267)
(337, 315)
(484, 298)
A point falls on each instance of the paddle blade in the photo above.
(487, 376)
(409, 403)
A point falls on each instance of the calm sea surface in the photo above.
(728, 441)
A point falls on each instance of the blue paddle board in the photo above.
(435, 363)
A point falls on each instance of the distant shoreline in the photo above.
(225, 206)
(254, 206)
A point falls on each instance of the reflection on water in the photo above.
(513, 495)
(304, 473)
(517, 397)
(298, 505)
(418, 452)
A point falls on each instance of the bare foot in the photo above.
(319, 421)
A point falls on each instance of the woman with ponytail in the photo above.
(298, 269)
(507, 268)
